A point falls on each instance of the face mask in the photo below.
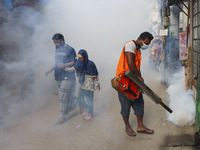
(144, 46)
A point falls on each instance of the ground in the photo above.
(106, 132)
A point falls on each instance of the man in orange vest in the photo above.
(130, 59)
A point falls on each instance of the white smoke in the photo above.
(181, 101)
(100, 27)
(25, 51)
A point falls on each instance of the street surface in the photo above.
(106, 132)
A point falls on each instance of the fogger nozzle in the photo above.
(131, 76)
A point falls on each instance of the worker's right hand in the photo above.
(141, 78)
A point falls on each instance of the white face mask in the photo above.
(144, 46)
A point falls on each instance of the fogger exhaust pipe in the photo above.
(131, 76)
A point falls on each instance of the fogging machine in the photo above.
(125, 86)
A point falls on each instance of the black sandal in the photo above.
(146, 131)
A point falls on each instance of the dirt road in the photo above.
(37, 132)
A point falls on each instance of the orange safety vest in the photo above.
(122, 66)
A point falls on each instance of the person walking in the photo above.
(65, 57)
(88, 78)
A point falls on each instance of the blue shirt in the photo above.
(64, 54)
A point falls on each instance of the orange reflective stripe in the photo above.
(138, 59)
(122, 66)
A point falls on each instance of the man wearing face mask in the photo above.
(65, 57)
(130, 59)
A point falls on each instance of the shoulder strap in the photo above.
(124, 51)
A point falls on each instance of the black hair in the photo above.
(58, 36)
(145, 35)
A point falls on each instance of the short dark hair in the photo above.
(58, 36)
(145, 35)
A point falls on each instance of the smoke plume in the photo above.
(100, 27)
(181, 101)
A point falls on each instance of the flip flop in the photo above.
(89, 117)
(130, 133)
(146, 131)
(60, 121)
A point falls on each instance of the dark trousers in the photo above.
(126, 104)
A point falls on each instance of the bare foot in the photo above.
(130, 132)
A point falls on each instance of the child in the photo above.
(88, 79)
